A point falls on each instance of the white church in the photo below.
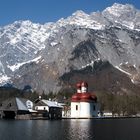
(83, 103)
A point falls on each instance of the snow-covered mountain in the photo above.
(38, 55)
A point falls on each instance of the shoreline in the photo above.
(72, 118)
(122, 117)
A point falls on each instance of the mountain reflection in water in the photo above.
(80, 129)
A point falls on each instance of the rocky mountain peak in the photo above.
(126, 15)
(79, 13)
(38, 55)
(119, 9)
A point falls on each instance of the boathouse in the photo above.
(83, 103)
(16, 108)
(48, 109)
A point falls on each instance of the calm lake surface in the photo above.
(95, 129)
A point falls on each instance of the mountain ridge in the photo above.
(37, 55)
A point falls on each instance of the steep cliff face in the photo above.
(102, 77)
(40, 55)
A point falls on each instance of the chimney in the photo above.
(40, 97)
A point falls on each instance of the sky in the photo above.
(43, 11)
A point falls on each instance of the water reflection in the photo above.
(104, 129)
(80, 130)
(118, 129)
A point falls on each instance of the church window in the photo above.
(94, 108)
(76, 107)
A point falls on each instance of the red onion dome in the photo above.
(84, 84)
(78, 85)
(83, 97)
(86, 96)
(75, 98)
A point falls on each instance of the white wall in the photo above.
(42, 108)
(74, 112)
(85, 109)
(94, 113)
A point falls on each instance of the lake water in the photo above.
(95, 129)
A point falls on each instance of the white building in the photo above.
(83, 103)
(50, 109)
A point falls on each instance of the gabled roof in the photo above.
(51, 103)
(14, 104)
(21, 105)
(48, 103)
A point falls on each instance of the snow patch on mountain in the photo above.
(18, 65)
(132, 80)
(119, 9)
(54, 43)
(123, 71)
(81, 19)
(4, 79)
(126, 15)
(91, 64)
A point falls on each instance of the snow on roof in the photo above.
(21, 105)
(51, 103)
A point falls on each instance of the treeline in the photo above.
(125, 105)
(6, 93)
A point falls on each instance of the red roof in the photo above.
(84, 84)
(78, 85)
(84, 97)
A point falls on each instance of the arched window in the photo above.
(76, 107)
(94, 108)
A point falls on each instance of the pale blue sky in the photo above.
(42, 11)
